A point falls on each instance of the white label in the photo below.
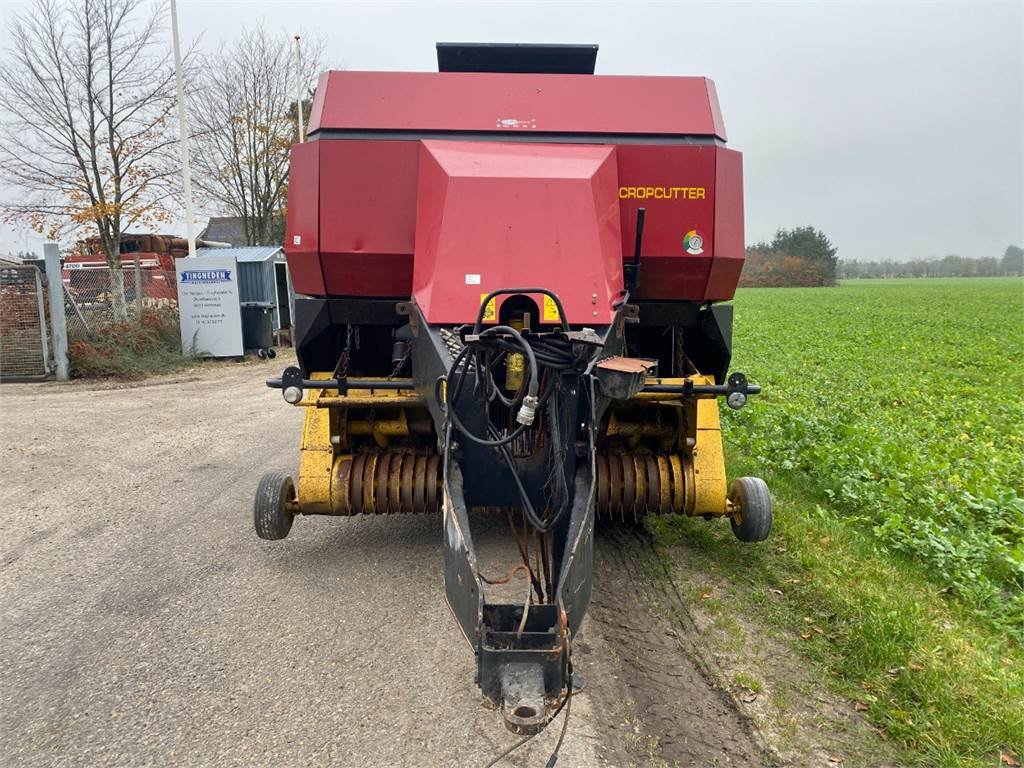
(211, 318)
(297, 240)
(472, 279)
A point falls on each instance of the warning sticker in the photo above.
(491, 311)
(551, 310)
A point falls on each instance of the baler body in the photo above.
(364, 200)
(507, 303)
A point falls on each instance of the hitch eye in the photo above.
(292, 394)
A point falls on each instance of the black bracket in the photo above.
(631, 271)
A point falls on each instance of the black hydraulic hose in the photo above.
(462, 361)
(555, 354)
(447, 403)
(533, 386)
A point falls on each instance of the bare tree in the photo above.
(87, 93)
(245, 121)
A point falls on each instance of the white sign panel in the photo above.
(211, 317)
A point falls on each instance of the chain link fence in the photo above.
(97, 298)
(23, 336)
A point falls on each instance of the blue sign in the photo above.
(206, 276)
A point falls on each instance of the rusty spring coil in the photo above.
(632, 484)
(402, 482)
(385, 483)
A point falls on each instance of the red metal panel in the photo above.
(302, 230)
(495, 215)
(716, 111)
(368, 221)
(316, 110)
(472, 101)
(730, 248)
(676, 184)
(368, 274)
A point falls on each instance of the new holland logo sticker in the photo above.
(693, 243)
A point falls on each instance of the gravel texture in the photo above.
(143, 623)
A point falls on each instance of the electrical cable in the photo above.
(565, 723)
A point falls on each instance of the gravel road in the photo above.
(143, 623)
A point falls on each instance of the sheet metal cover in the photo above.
(494, 215)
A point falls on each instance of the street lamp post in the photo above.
(298, 80)
(186, 172)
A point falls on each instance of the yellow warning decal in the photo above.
(551, 310)
(491, 312)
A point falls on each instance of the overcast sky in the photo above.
(894, 127)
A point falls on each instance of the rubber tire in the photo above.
(755, 504)
(261, 354)
(269, 515)
(271, 353)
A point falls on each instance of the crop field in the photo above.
(902, 403)
(891, 433)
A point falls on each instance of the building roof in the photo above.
(225, 229)
(246, 252)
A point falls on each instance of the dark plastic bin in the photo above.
(257, 326)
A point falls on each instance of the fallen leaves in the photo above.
(1008, 758)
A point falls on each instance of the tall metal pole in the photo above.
(298, 82)
(186, 171)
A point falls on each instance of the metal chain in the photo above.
(341, 369)
(678, 352)
(398, 367)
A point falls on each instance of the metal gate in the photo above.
(24, 351)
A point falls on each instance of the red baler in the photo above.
(508, 272)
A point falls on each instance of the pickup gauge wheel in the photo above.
(272, 510)
(751, 519)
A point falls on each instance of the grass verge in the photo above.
(130, 350)
(944, 687)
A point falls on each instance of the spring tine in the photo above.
(405, 495)
(653, 484)
(419, 482)
(433, 483)
(394, 483)
(628, 485)
(678, 484)
(640, 472)
(344, 485)
(665, 482)
(356, 475)
(369, 475)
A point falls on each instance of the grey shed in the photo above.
(260, 283)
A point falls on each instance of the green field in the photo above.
(902, 402)
(891, 431)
